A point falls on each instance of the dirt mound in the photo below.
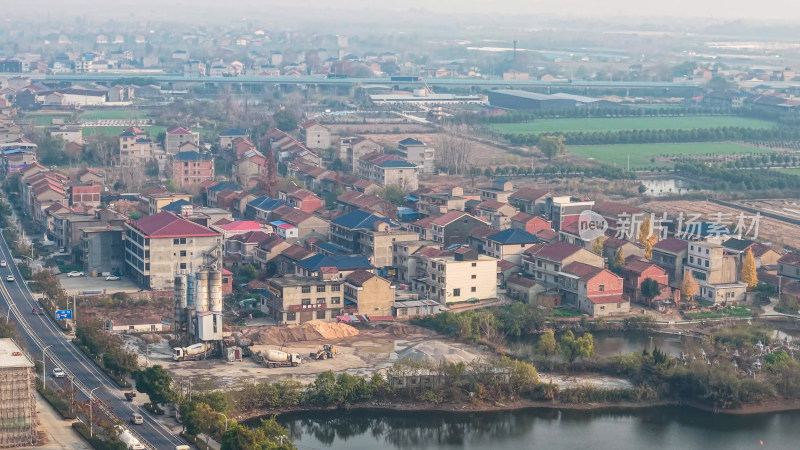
(309, 331)
(404, 329)
(437, 351)
(151, 338)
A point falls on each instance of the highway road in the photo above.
(43, 331)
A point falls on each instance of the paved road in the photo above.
(63, 353)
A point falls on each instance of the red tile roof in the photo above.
(583, 271)
(639, 266)
(359, 277)
(792, 259)
(451, 216)
(547, 234)
(522, 281)
(505, 264)
(243, 225)
(761, 249)
(615, 209)
(251, 237)
(167, 225)
(671, 245)
(425, 222)
(493, 205)
(297, 253)
(482, 231)
(530, 194)
(556, 251)
(603, 299)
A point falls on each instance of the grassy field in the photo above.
(567, 312)
(45, 119)
(116, 114)
(738, 311)
(112, 131)
(789, 171)
(640, 154)
(631, 123)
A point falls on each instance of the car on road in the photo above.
(75, 273)
(3, 263)
(137, 419)
(10, 278)
(113, 278)
(58, 373)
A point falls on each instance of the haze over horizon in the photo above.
(608, 10)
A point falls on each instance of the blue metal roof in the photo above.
(234, 132)
(392, 164)
(192, 156)
(358, 219)
(222, 186)
(704, 229)
(176, 205)
(341, 262)
(265, 203)
(514, 236)
(333, 249)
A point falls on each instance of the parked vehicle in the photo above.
(137, 419)
(113, 278)
(58, 373)
(327, 351)
(129, 396)
(277, 358)
(10, 278)
(75, 274)
(191, 353)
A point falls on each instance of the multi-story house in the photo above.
(159, 246)
(152, 201)
(418, 153)
(226, 137)
(192, 168)
(262, 208)
(406, 258)
(452, 228)
(367, 293)
(764, 255)
(565, 210)
(498, 214)
(671, 254)
(176, 137)
(389, 170)
(368, 234)
(351, 149)
(529, 200)
(301, 199)
(594, 290)
(440, 203)
(341, 264)
(544, 262)
(315, 135)
(267, 250)
(103, 249)
(530, 223)
(715, 272)
(135, 146)
(307, 224)
(244, 245)
(457, 276)
(500, 190)
(510, 244)
(613, 245)
(636, 271)
(789, 266)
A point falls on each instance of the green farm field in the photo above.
(789, 171)
(113, 131)
(640, 154)
(631, 123)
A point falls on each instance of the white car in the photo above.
(58, 373)
(75, 274)
(3, 263)
(10, 278)
(112, 278)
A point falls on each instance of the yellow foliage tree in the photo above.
(646, 237)
(689, 287)
(749, 274)
(619, 260)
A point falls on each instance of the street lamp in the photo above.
(91, 409)
(44, 373)
(226, 420)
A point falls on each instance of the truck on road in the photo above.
(277, 358)
(127, 438)
(192, 352)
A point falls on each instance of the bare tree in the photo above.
(455, 150)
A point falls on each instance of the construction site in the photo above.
(17, 397)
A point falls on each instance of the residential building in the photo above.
(176, 137)
(286, 262)
(368, 294)
(530, 223)
(262, 208)
(388, 170)
(368, 234)
(440, 203)
(18, 392)
(524, 289)
(500, 190)
(153, 200)
(295, 299)
(498, 214)
(213, 192)
(232, 228)
(457, 276)
(544, 262)
(86, 194)
(715, 272)
(249, 168)
(244, 245)
(406, 258)
(418, 153)
(562, 211)
(267, 250)
(340, 264)
(67, 132)
(529, 200)
(302, 199)
(510, 244)
(594, 290)
(612, 245)
(764, 255)
(636, 271)
(192, 168)
(789, 266)
(351, 201)
(671, 254)
(452, 228)
(135, 146)
(405, 309)
(351, 149)
(315, 135)
(103, 249)
(226, 137)
(159, 246)
(307, 224)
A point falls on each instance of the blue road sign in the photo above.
(63, 314)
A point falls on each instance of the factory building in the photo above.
(517, 99)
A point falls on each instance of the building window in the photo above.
(336, 288)
(321, 288)
(305, 301)
(321, 314)
(183, 265)
(183, 253)
(706, 263)
(474, 289)
(306, 289)
(183, 240)
(336, 300)
(291, 316)
(602, 288)
(474, 276)
(457, 292)
(175, 241)
(321, 301)
(474, 264)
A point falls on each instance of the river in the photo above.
(664, 427)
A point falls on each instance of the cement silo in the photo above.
(181, 294)
(201, 292)
(215, 291)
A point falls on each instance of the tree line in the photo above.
(727, 179)
(518, 116)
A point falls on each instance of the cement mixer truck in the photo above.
(277, 358)
(192, 352)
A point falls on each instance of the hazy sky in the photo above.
(607, 10)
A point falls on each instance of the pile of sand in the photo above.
(437, 351)
(151, 338)
(310, 331)
(404, 329)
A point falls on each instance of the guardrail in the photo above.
(75, 381)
